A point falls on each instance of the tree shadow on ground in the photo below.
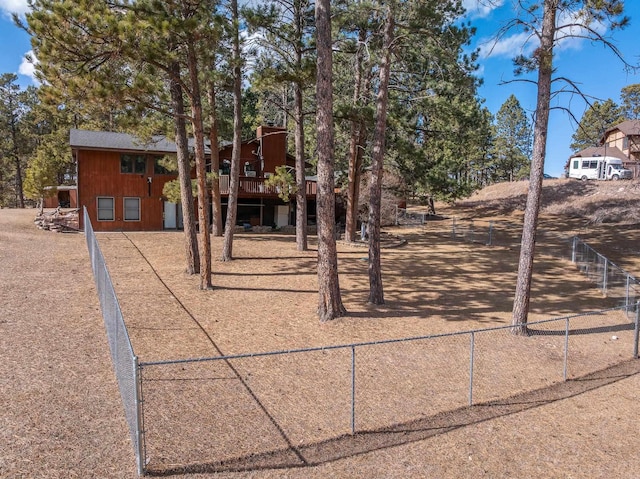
(364, 442)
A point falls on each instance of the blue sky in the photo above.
(595, 69)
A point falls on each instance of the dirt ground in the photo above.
(62, 415)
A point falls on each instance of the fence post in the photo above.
(472, 348)
(637, 331)
(353, 390)
(605, 275)
(139, 431)
(574, 246)
(566, 349)
(626, 295)
(397, 222)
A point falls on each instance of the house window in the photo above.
(132, 209)
(625, 143)
(105, 209)
(133, 164)
(249, 169)
(225, 167)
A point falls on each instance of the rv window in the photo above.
(593, 164)
(575, 164)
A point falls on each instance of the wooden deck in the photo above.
(251, 187)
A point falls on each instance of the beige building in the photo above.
(624, 137)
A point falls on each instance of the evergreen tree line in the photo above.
(101, 66)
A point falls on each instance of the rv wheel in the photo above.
(615, 177)
(584, 178)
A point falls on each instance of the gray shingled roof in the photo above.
(628, 127)
(107, 140)
(601, 151)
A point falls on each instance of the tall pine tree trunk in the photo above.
(376, 294)
(298, 113)
(216, 202)
(356, 144)
(330, 302)
(356, 151)
(201, 170)
(532, 209)
(301, 194)
(16, 156)
(234, 180)
(184, 171)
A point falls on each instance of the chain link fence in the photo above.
(610, 279)
(481, 232)
(404, 217)
(281, 409)
(274, 409)
(125, 363)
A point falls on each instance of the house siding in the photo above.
(99, 176)
(629, 144)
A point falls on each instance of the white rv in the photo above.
(598, 168)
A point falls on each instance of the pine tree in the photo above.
(595, 121)
(330, 301)
(234, 176)
(511, 151)
(630, 96)
(543, 21)
(15, 145)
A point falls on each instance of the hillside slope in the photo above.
(595, 202)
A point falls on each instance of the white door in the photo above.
(170, 216)
(282, 215)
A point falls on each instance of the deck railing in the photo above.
(258, 186)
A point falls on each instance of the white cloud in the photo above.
(571, 35)
(572, 32)
(28, 66)
(14, 6)
(481, 8)
(511, 46)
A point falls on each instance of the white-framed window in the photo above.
(105, 208)
(132, 209)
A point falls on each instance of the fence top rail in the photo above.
(372, 343)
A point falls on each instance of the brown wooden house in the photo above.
(120, 181)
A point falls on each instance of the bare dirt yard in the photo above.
(61, 411)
